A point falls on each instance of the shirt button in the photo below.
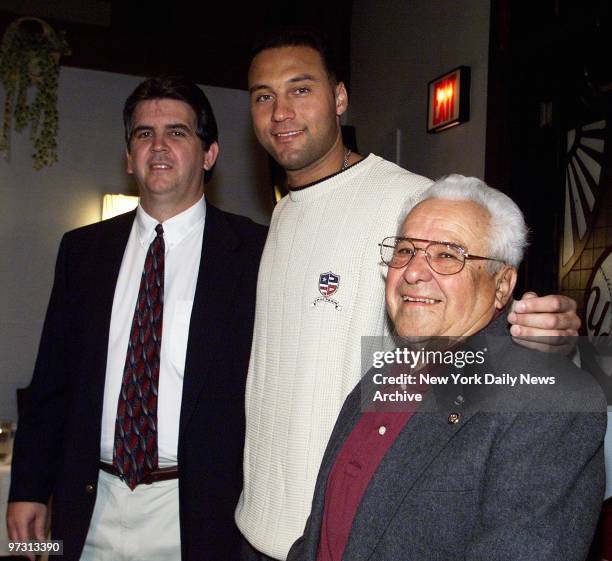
(89, 488)
(382, 430)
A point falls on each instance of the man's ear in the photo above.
(128, 162)
(210, 156)
(341, 96)
(505, 280)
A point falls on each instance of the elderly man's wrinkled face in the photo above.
(423, 303)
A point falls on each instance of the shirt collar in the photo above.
(175, 229)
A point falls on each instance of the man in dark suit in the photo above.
(141, 452)
(484, 469)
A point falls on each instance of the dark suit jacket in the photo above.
(57, 446)
(519, 477)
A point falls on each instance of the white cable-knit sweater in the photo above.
(306, 357)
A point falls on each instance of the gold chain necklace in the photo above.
(346, 159)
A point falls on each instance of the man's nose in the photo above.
(417, 269)
(283, 109)
(159, 143)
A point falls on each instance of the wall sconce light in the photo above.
(113, 205)
(448, 101)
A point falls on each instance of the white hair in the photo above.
(507, 237)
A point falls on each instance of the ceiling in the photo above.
(208, 42)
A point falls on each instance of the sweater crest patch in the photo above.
(329, 283)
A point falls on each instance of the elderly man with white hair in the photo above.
(504, 464)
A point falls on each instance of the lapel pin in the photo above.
(453, 418)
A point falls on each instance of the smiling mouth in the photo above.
(288, 134)
(420, 300)
(160, 166)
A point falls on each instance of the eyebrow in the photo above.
(444, 242)
(303, 78)
(293, 80)
(171, 126)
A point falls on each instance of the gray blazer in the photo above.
(519, 477)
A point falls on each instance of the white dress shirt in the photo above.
(183, 235)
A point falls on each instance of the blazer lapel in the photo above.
(103, 269)
(342, 431)
(348, 418)
(220, 270)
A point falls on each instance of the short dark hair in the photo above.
(300, 37)
(181, 89)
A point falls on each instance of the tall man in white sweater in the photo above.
(320, 286)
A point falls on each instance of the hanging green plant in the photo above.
(29, 58)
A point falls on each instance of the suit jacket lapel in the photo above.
(347, 419)
(104, 270)
(106, 265)
(220, 270)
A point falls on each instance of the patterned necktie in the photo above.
(135, 449)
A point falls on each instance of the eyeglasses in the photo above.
(444, 258)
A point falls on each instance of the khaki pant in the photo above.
(134, 525)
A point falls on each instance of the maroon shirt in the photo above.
(355, 465)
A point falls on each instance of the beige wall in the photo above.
(395, 52)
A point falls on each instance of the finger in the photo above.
(13, 531)
(552, 322)
(550, 342)
(563, 350)
(39, 526)
(526, 296)
(537, 344)
(545, 335)
(17, 529)
(552, 303)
